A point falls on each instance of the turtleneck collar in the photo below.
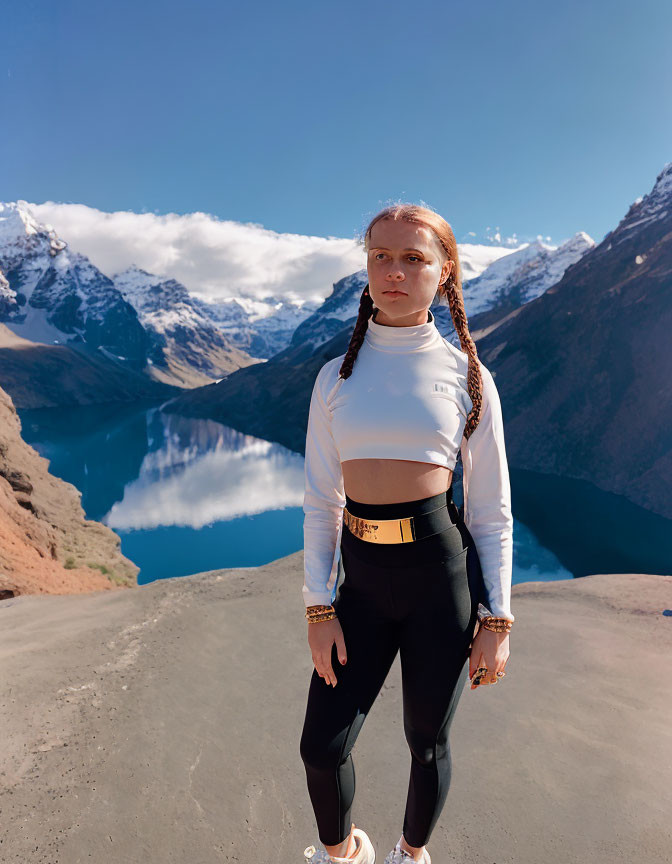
(400, 339)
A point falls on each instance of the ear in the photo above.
(446, 270)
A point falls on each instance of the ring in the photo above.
(479, 674)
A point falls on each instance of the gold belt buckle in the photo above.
(381, 530)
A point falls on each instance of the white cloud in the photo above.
(214, 259)
(512, 241)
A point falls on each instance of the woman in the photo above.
(386, 422)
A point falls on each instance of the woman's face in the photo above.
(408, 258)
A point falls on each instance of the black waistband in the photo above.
(431, 516)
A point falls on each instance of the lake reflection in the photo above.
(184, 495)
(189, 495)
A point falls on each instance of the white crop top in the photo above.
(406, 398)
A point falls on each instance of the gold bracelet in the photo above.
(320, 613)
(326, 616)
(497, 625)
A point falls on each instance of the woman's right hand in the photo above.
(321, 637)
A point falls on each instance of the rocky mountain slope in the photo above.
(47, 546)
(585, 370)
(37, 375)
(187, 348)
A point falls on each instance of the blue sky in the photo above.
(307, 117)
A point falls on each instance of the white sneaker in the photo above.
(401, 856)
(364, 852)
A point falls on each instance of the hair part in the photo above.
(451, 289)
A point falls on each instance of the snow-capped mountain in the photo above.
(186, 346)
(339, 308)
(50, 294)
(515, 279)
(646, 210)
(262, 328)
(57, 296)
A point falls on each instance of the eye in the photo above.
(378, 253)
(414, 256)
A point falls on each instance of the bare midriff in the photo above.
(390, 481)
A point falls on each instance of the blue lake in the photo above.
(188, 495)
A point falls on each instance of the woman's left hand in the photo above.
(488, 649)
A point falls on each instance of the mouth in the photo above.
(394, 291)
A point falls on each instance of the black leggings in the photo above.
(420, 599)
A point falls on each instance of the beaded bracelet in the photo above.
(498, 625)
(320, 613)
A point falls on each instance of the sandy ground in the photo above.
(163, 725)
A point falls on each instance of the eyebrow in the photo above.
(384, 248)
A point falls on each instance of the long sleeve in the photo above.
(487, 499)
(324, 499)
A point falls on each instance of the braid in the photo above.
(365, 312)
(474, 378)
